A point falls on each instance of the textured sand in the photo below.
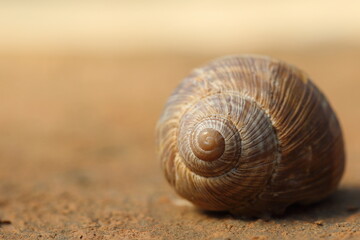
(77, 153)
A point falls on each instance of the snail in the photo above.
(250, 135)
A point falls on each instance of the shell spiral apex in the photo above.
(250, 135)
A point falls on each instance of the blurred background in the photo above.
(82, 84)
(191, 27)
(177, 26)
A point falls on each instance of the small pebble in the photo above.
(319, 223)
(352, 208)
(5, 222)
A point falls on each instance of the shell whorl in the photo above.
(207, 143)
(226, 115)
(250, 135)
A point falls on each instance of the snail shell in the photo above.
(250, 135)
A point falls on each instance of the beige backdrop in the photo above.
(182, 26)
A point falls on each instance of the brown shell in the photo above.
(250, 135)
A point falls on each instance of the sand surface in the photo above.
(77, 151)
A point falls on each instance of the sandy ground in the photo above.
(77, 153)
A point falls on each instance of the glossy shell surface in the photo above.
(250, 135)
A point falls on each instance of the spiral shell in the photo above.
(250, 135)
